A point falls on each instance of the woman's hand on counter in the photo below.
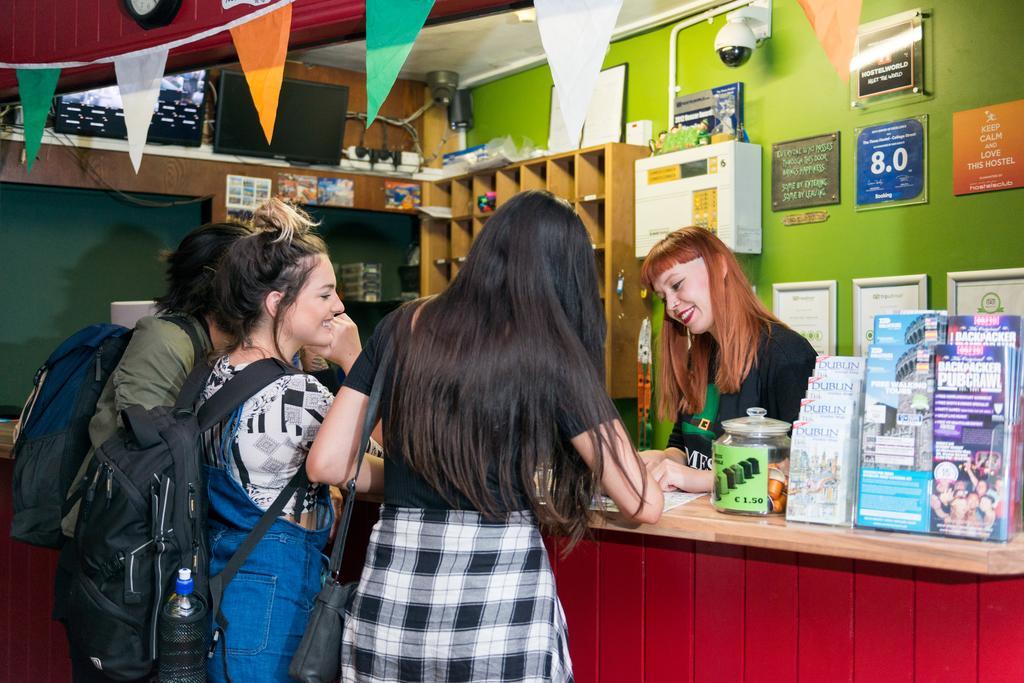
(671, 475)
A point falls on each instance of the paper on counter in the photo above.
(673, 499)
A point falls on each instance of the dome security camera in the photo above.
(443, 85)
(743, 31)
(735, 43)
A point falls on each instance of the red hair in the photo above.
(739, 316)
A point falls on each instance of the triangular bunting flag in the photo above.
(138, 79)
(835, 24)
(391, 29)
(35, 88)
(575, 34)
(262, 45)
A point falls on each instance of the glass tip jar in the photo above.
(751, 465)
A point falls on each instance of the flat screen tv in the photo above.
(310, 122)
(177, 117)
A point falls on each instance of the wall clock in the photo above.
(152, 13)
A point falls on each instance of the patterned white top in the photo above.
(275, 430)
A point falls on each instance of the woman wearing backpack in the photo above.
(276, 292)
(495, 420)
(151, 371)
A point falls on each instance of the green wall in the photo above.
(792, 91)
(65, 255)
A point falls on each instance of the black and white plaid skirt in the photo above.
(450, 596)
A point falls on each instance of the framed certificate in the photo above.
(892, 163)
(874, 295)
(810, 309)
(971, 292)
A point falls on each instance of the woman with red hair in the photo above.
(721, 353)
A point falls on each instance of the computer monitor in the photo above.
(177, 116)
(310, 125)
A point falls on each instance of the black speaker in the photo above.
(460, 110)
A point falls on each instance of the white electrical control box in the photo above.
(717, 187)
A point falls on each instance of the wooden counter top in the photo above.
(697, 520)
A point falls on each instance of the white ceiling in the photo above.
(489, 47)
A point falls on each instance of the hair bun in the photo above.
(277, 215)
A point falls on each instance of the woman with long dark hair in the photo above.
(722, 352)
(276, 293)
(495, 420)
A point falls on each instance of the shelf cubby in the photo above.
(590, 174)
(482, 184)
(598, 181)
(479, 222)
(435, 252)
(437, 194)
(560, 176)
(462, 197)
(461, 238)
(506, 183)
(592, 215)
(533, 175)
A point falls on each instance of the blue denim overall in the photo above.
(268, 603)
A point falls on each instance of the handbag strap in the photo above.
(350, 488)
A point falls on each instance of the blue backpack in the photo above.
(54, 426)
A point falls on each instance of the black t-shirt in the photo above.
(777, 383)
(403, 486)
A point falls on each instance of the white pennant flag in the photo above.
(575, 34)
(138, 79)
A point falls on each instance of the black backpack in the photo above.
(143, 517)
(54, 428)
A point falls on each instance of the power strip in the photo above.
(382, 160)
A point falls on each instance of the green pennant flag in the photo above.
(36, 88)
(391, 29)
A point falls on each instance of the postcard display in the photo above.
(825, 443)
(926, 430)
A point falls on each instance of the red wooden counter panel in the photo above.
(652, 608)
(713, 612)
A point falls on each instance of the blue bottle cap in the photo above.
(183, 586)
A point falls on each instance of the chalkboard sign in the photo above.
(805, 172)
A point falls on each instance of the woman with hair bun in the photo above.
(721, 353)
(276, 293)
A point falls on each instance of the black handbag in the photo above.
(317, 658)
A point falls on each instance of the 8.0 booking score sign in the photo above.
(988, 148)
(892, 163)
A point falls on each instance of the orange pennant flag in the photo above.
(835, 24)
(261, 45)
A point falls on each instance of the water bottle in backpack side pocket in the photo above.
(183, 629)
